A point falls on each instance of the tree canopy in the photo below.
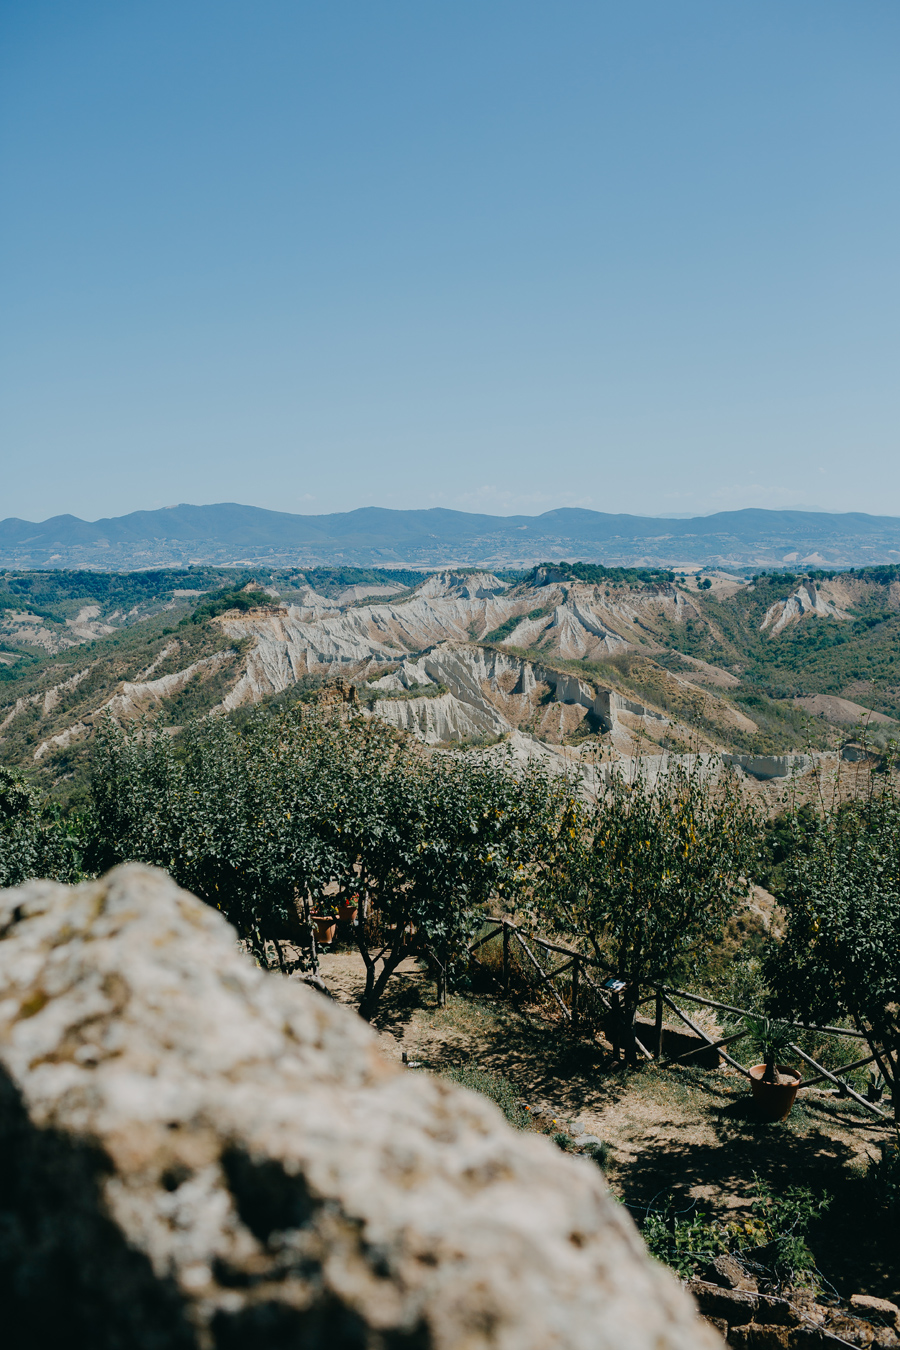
(34, 842)
(840, 954)
(311, 807)
(651, 873)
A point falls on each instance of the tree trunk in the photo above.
(362, 942)
(311, 930)
(616, 1018)
(376, 987)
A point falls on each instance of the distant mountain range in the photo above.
(228, 533)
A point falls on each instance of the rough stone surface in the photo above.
(729, 1273)
(194, 1153)
(736, 1306)
(868, 1304)
(771, 766)
(756, 1337)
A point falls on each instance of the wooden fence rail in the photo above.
(577, 963)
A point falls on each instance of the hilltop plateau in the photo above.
(575, 663)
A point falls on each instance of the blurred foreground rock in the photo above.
(197, 1154)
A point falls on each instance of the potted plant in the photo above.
(326, 925)
(347, 908)
(774, 1087)
(874, 1086)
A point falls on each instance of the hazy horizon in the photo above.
(646, 515)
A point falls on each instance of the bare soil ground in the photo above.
(691, 1132)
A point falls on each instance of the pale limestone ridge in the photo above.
(434, 635)
(313, 634)
(775, 766)
(317, 635)
(807, 599)
(493, 692)
(134, 699)
(219, 1157)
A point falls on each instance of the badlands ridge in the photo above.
(466, 658)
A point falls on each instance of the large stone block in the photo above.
(197, 1154)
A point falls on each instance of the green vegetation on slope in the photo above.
(856, 658)
(597, 575)
(72, 685)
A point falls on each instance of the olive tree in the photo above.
(649, 875)
(447, 836)
(840, 953)
(309, 805)
(34, 840)
(216, 808)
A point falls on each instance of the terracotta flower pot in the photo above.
(326, 925)
(774, 1100)
(346, 911)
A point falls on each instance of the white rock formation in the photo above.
(64, 738)
(196, 1154)
(805, 600)
(443, 719)
(135, 698)
(771, 766)
(316, 634)
(491, 692)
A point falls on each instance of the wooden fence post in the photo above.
(506, 957)
(658, 1027)
(576, 967)
(617, 1023)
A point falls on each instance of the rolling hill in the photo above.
(229, 533)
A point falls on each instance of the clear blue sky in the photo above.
(487, 254)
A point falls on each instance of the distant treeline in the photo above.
(882, 574)
(43, 592)
(50, 593)
(597, 575)
(319, 577)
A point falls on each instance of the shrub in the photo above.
(496, 1088)
(772, 1242)
(777, 1231)
(685, 1245)
(598, 1153)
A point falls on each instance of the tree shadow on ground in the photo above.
(532, 1047)
(855, 1250)
(539, 1057)
(407, 993)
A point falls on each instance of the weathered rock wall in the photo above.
(197, 1154)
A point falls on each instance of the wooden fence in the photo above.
(576, 965)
